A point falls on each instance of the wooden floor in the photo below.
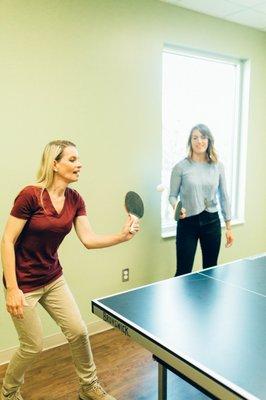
(126, 370)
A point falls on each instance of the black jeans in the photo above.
(206, 227)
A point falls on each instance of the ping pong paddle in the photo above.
(177, 210)
(134, 206)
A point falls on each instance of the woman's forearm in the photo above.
(228, 225)
(8, 263)
(92, 240)
(173, 201)
(95, 241)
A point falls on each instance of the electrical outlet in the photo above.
(125, 274)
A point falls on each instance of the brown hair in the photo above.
(211, 153)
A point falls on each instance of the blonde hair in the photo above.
(211, 153)
(53, 151)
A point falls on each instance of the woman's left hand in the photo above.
(229, 237)
(131, 227)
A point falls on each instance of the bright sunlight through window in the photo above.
(208, 89)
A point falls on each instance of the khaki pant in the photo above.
(58, 301)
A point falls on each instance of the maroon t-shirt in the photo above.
(37, 261)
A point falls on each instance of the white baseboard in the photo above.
(57, 339)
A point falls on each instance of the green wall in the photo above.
(90, 71)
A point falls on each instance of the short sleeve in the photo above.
(24, 204)
(81, 207)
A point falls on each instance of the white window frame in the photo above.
(239, 177)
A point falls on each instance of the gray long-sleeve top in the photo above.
(198, 184)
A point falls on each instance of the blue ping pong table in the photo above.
(209, 327)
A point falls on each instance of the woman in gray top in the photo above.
(197, 180)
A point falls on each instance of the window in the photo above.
(213, 90)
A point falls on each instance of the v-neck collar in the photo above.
(55, 212)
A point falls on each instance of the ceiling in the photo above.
(245, 12)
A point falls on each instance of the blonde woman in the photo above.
(42, 215)
(197, 180)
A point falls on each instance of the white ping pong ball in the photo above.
(160, 188)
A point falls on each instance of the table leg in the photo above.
(162, 382)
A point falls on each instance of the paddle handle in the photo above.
(135, 219)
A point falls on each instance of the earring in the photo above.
(55, 170)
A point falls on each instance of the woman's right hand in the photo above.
(15, 301)
(182, 214)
